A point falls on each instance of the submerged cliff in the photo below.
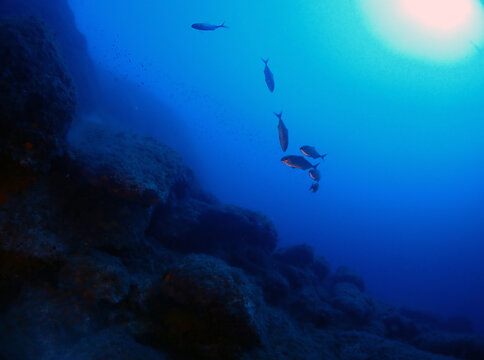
(110, 250)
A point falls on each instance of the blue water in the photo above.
(401, 195)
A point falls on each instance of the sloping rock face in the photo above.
(110, 250)
(135, 168)
(60, 19)
(37, 95)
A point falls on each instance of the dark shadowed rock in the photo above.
(353, 345)
(346, 275)
(349, 299)
(462, 346)
(242, 237)
(112, 343)
(399, 327)
(41, 323)
(275, 288)
(37, 97)
(459, 324)
(60, 20)
(96, 277)
(321, 267)
(128, 166)
(298, 255)
(207, 309)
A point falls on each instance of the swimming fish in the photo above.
(315, 174)
(283, 133)
(311, 152)
(298, 162)
(269, 76)
(314, 187)
(208, 27)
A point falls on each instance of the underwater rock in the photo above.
(354, 345)
(346, 275)
(207, 309)
(112, 343)
(96, 277)
(275, 288)
(131, 167)
(242, 237)
(399, 327)
(321, 267)
(37, 97)
(348, 298)
(41, 323)
(59, 18)
(462, 346)
(297, 255)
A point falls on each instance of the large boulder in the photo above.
(347, 275)
(96, 277)
(128, 166)
(300, 256)
(348, 298)
(242, 237)
(37, 97)
(207, 309)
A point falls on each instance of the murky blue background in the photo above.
(401, 196)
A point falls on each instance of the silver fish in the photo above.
(298, 162)
(314, 187)
(283, 133)
(208, 27)
(311, 152)
(269, 76)
(315, 174)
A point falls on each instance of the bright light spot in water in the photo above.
(439, 30)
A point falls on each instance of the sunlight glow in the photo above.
(441, 30)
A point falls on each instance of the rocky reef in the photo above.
(110, 250)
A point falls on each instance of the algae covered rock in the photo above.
(128, 166)
(207, 309)
(37, 97)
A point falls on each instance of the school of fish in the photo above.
(293, 161)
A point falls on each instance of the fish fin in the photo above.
(223, 26)
(278, 115)
(265, 61)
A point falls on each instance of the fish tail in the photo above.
(265, 61)
(316, 166)
(323, 156)
(278, 115)
(223, 25)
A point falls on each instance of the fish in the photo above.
(314, 187)
(269, 76)
(315, 174)
(283, 133)
(298, 162)
(311, 152)
(208, 27)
